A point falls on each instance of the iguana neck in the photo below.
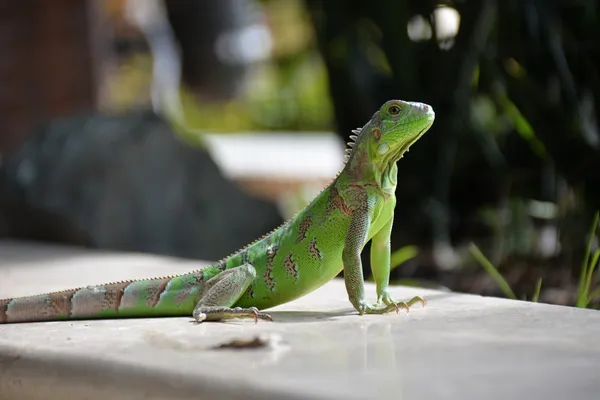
(361, 171)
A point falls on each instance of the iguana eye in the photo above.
(394, 110)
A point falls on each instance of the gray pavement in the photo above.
(458, 347)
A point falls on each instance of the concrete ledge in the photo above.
(458, 347)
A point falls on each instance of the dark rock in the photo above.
(125, 182)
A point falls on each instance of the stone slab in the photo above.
(458, 347)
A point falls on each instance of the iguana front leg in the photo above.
(222, 291)
(353, 274)
(380, 266)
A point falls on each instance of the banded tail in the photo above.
(168, 296)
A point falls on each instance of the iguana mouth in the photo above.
(404, 148)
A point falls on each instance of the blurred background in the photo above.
(190, 128)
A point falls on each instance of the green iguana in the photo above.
(301, 255)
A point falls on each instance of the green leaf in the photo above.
(593, 295)
(522, 125)
(402, 255)
(492, 271)
(536, 292)
(582, 295)
(592, 266)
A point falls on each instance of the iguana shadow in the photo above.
(308, 316)
(319, 316)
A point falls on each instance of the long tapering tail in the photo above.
(167, 296)
(83, 302)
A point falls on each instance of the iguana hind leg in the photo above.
(222, 291)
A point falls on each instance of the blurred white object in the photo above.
(277, 155)
(151, 17)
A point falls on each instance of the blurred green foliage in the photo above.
(287, 92)
(585, 294)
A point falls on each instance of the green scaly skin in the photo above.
(307, 251)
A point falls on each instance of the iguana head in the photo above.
(389, 134)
